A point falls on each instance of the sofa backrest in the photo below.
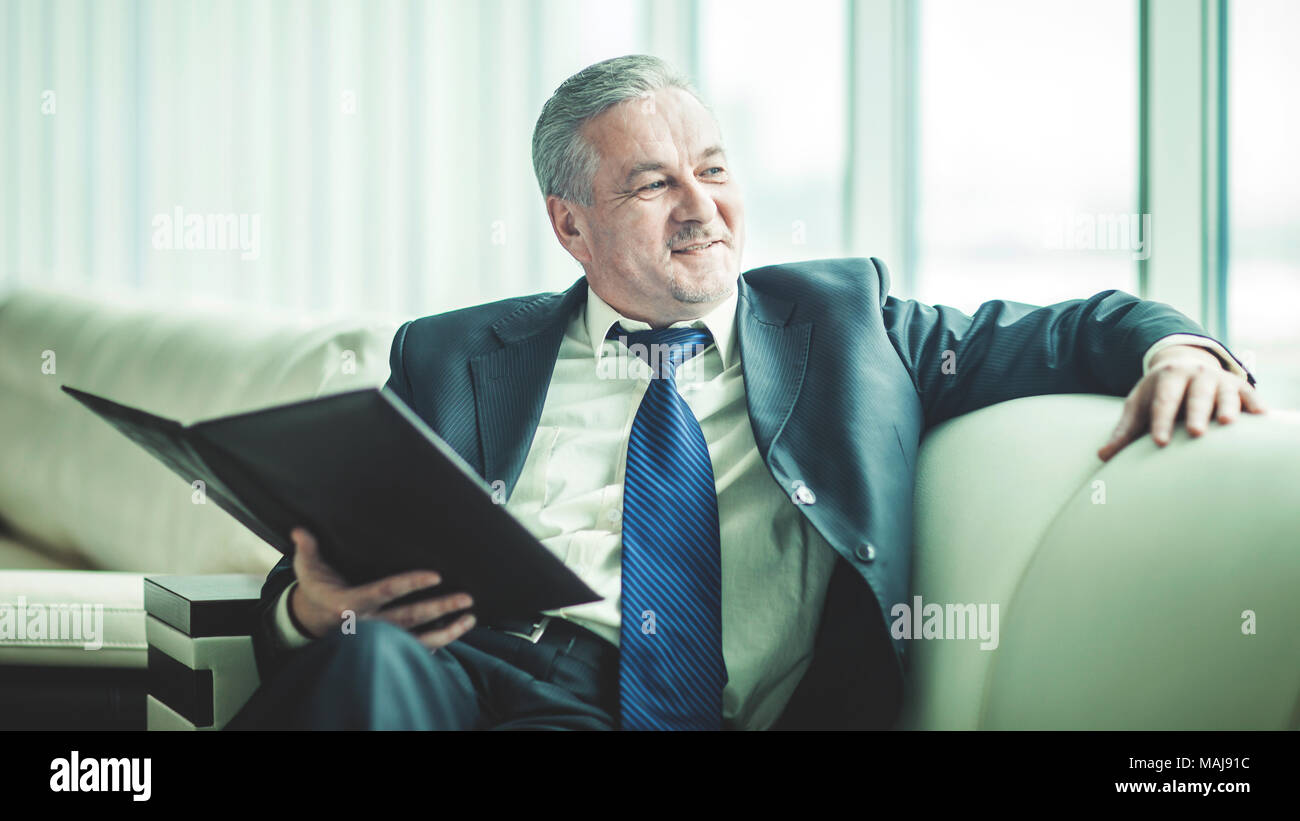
(75, 485)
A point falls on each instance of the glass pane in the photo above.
(777, 81)
(1264, 193)
(1027, 166)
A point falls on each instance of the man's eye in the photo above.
(651, 186)
(717, 169)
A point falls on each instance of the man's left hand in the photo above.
(1184, 379)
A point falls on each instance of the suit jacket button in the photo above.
(866, 552)
(803, 495)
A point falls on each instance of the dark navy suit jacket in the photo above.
(841, 381)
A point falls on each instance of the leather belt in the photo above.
(575, 640)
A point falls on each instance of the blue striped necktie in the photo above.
(671, 671)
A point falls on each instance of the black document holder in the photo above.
(380, 491)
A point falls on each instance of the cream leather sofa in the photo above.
(1155, 591)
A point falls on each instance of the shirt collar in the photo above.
(720, 322)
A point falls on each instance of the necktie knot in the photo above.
(663, 349)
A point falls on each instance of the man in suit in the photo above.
(738, 488)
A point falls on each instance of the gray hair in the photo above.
(565, 163)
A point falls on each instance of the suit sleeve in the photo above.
(397, 380)
(1007, 350)
(1221, 353)
(271, 646)
(274, 639)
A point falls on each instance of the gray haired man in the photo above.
(748, 527)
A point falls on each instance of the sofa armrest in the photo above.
(202, 668)
(1125, 591)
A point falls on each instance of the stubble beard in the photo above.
(712, 288)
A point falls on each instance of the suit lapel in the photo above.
(510, 383)
(774, 358)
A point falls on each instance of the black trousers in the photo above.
(382, 678)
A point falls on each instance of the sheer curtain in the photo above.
(341, 157)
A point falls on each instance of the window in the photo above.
(1027, 161)
(777, 79)
(1264, 193)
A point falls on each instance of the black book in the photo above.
(380, 491)
(217, 604)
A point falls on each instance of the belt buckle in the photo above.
(539, 628)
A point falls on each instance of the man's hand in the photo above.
(321, 596)
(1187, 379)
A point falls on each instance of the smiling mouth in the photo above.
(698, 249)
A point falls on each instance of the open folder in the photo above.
(380, 491)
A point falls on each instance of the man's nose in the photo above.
(695, 203)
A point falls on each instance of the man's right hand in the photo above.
(321, 596)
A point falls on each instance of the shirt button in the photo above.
(614, 515)
(865, 552)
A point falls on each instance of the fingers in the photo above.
(1228, 402)
(417, 613)
(433, 639)
(1201, 393)
(1251, 401)
(304, 543)
(1129, 427)
(306, 556)
(370, 597)
(1165, 403)
(308, 565)
(325, 596)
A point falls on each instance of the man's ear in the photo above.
(570, 227)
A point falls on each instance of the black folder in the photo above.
(380, 491)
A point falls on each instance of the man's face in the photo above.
(663, 185)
